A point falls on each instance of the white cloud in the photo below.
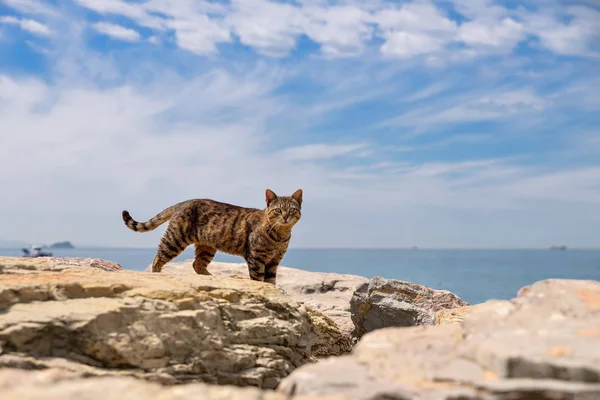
(28, 25)
(9, 20)
(35, 27)
(414, 29)
(269, 27)
(117, 31)
(320, 151)
(31, 7)
(574, 37)
(341, 31)
(499, 105)
(504, 33)
(410, 29)
(200, 35)
(135, 11)
(409, 44)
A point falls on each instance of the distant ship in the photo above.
(36, 251)
(555, 247)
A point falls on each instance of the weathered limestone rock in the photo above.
(544, 344)
(160, 327)
(329, 340)
(451, 315)
(381, 303)
(23, 264)
(53, 384)
(328, 293)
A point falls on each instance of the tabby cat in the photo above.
(261, 237)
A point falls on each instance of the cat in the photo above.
(261, 237)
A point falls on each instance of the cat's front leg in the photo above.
(271, 272)
(271, 269)
(256, 268)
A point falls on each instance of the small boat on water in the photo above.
(36, 251)
(561, 247)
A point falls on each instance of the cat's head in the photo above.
(284, 210)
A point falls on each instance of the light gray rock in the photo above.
(160, 327)
(22, 265)
(328, 293)
(54, 384)
(381, 303)
(544, 344)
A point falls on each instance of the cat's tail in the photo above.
(152, 223)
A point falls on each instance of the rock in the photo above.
(452, 315)
(20, 265)
(328, 293)
(381, 303)
(160, 327)
(54, 384)
(543, 344)
(329, 340)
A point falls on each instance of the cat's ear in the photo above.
(270, 196)
(298, 196)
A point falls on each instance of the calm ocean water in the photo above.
(474, 275)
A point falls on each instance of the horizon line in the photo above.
(411, 248)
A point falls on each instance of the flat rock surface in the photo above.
(544, 344)
(161, 327)
(24, 264)
(328, 293)
(382, 303)
(55, 384)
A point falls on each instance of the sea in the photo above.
(473, 275)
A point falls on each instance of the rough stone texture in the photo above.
(544, 344)
(54, 384)
(448, 316)
(328, 339)
(382, 303)
(160, 327)
(328, 293)
(19, 265)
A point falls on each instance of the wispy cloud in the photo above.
(319, 151)
(491, 107)
(117, 31)
(28, 25)
(31, 7)
(410, 29)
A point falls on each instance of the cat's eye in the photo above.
(278, 210)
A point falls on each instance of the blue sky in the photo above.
(437, 123)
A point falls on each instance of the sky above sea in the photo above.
(432, 123)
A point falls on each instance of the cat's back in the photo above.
(219, 206)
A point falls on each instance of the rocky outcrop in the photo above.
(381, 303)
(160, 327)
(55, 384)
(328, 293)
(18, 265)
(544, 344)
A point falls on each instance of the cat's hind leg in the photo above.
(174, 241)
(203, 256)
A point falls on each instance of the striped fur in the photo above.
(261, 237)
